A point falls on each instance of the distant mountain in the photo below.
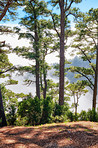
(77, 61)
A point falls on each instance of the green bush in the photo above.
(92, 115)
(47, 112)
(83, 116)
(21, 121)
(58, 119)
(70, 116)
(60, 110)
(31, 109)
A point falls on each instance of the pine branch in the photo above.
(86, 57)
(86, 78)
(7, 70)
(5, 9)
(55, 25)
(67, 8)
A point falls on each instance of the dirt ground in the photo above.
(63, 135)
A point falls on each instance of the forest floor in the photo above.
(61, 135)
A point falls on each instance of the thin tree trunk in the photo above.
(37, 79)
(75, 105)
(2, 114)
(62, 58)
(45, 86)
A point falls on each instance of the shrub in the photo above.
(47, 112)
(21, 121)
(70, 116)
(61, 110)
(83, 116)
(92, 115)
(58, 119)
(31, 109)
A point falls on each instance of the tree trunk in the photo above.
(37, 79)
(2, 114)
(62, 58)
(45, 86)
(75, 106)
(36, 47)
(75, 111)
(96, 77)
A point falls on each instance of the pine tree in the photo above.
(76, 90)
(65, 11)
(37, 30)
(87, 44)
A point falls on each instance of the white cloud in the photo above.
(16, 60)
(52, 58)
(20, 87)
(13, 40)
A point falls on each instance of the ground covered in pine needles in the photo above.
(63, 135)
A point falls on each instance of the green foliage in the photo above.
(11, 82)
(12, 6)
(9, 98)
(85, 42)
(11, 116)
(90, 115)
(40, 38)
(31, 109)
(76, 90)
(52, 89)
(10, 102)
(21, 121)
(77, 1)
(34, 111)
(47, 112)
(60, 110)
(70, 116)
(83, 116)
(58, 119)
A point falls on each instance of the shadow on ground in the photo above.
(71, 135)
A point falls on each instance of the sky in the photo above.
(84, 6)
(13, 40)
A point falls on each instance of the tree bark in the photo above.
(2, 114)
(37, 79)
(45, 86)
(62, 58)
(36, 47)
